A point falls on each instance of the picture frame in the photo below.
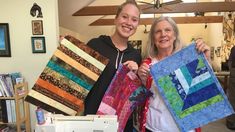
(5, 48)
(37, 27)
(217, 51)
(38, 44)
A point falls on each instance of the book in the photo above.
(14, 77)
(8, 81)
(4, 87)
(13, 110)
(9, 113)
(1, 91)
(4, 111)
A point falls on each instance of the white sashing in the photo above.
(182, 80)
(200, 78)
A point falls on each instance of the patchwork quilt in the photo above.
(123, 95)
(67, 78)
(190, 89)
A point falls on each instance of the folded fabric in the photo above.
(67, 78)
(190, 89)
(123, 95)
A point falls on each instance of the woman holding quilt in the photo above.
(163, 41)
(117, 49)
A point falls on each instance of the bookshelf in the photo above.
(20, 107)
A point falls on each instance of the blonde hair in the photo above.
(120, 8)
(152, 50)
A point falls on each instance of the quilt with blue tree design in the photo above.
(190, 89)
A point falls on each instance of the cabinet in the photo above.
(21, 119)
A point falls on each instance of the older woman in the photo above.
(163, 42)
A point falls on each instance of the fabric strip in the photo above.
(83, 54)
(65, 80)
(51, 102)
(79, 59)
(43, 105)
(76, 65)
(87, 49)
(69, 75)
(63, 86)
(69, 68)
(55, 97)
(59, 92)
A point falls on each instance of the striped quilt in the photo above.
(67, 78)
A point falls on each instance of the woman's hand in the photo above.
(133, 66)
(202, 47)
(143, 72)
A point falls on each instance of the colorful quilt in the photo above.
(190, 89)
(123, 95)
(67, 78)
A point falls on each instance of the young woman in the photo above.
(117, 50)
(163, 42)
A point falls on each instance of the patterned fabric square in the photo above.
(67, 78)
(123, 95)
(190, 89)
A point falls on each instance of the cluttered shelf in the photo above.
(14, 111)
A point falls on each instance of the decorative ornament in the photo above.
(36, 8)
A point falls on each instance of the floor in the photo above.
(217, 126)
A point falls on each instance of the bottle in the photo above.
(40, 116)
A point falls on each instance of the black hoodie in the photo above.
(105, 47)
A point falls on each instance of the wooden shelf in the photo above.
(18, 98)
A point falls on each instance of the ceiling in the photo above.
(80, 24)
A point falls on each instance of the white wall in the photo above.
(17, 14)
(216, 38)
(187, 32)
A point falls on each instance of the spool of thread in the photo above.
(40, 116)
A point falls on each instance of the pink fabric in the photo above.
(119, 98)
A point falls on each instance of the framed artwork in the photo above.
(5, 48)
(217, 51)
(38, 44)
(37, 27)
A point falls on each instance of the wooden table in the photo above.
(225, 80)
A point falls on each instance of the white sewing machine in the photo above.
(89, 123)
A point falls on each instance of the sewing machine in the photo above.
(89, 123)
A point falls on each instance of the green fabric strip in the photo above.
(201, 105)
(71, 69)
(69, 75)
(171, 94)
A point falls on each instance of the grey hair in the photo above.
(152, 50)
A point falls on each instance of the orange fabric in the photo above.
(59, 92)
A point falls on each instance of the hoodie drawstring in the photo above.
(117, 63)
